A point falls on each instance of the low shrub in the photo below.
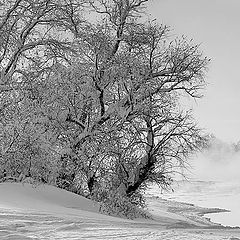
(121, 206)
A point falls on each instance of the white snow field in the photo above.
(45, 212)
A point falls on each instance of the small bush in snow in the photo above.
(121, 206)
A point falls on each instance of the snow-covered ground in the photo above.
(45, 212)
(210, 194)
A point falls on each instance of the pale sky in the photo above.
(216, 25)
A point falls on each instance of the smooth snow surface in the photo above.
(45, 212)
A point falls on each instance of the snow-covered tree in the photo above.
(34, 35)
(110, 102)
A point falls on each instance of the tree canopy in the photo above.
(90, 96)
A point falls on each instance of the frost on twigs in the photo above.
(121, 206)
(91, 106)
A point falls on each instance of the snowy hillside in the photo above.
(45, 212)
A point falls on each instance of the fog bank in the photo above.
(220, 162)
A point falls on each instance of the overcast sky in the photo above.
(214, 24)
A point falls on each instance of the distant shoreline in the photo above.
(194, 213)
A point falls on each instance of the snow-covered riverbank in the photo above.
(46, 212)
(208, 194)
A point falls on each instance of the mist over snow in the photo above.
(219, 162)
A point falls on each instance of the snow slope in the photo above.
(45, 212)
(45, 198)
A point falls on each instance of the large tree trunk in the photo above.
(141, 174)
(146, 165)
